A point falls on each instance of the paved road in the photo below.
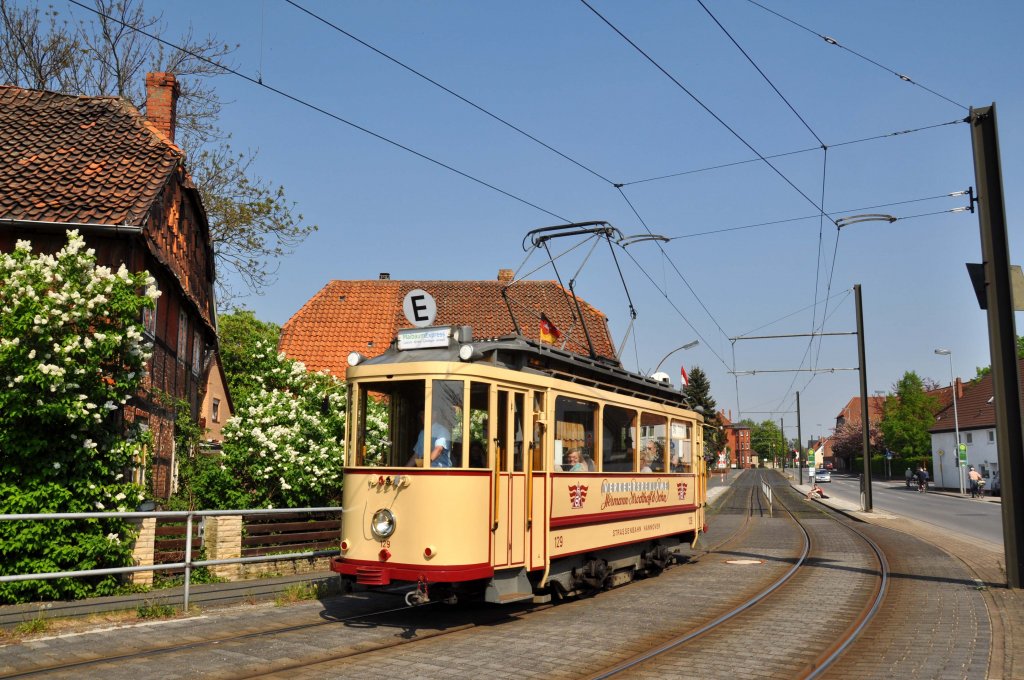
(981, 519)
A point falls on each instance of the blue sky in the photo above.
(557, 71)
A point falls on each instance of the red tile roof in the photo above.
(66, 158)
(851, 412)
(976, 409)
(363, 316)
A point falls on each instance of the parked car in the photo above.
(822, 475)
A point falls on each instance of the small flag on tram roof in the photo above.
(548, 332)
(682, 375)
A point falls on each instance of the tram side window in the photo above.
(618, 439)
(653, 441)
(479, 410)
(574, 428)
(537, 445)
(682, 446)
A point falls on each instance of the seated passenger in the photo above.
(675, 464)
(575, 461)
(649, 456)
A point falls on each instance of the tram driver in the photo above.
(440, 445)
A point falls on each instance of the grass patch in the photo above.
(152, 610)
(34, 626)
(299, 593)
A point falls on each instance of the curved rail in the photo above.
(827, 658)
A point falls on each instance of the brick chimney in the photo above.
(161, 100)
(505, 275)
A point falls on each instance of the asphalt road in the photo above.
(981, 519)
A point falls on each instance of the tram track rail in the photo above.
(94, 665)
(825, 657)
(401, 626)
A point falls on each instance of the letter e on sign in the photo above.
(419, 307)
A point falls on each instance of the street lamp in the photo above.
(689, 345)
(956, 418)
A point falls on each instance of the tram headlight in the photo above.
(355, 358)
(383, 524)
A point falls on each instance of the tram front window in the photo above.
(390, 424)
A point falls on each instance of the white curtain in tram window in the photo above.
(681, 442)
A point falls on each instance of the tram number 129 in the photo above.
(558, 541)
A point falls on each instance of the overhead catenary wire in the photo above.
(704, 106)
(298, 100)
(504, 122)
(721, 166)
(832, 41)
(430, 80)
(830, 214)
(763, 74)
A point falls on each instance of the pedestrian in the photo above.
(909, 474)
(975, 478)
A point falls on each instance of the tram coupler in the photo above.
(419, 596)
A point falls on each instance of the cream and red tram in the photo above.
(554, 472)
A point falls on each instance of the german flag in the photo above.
(548, 332)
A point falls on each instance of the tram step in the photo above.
(509, 586)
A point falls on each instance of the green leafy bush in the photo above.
(72, 353)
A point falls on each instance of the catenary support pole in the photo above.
(800, 443)
(1002, 333)
(865, 423)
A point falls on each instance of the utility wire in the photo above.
(833, 41)
(766, 78)
(430, 80)
(664, 294)
(673, 265)
(830, 214)
(314, 107)
(506, 123)
(703, 106)
(793, 153)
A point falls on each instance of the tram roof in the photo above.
(518, 353)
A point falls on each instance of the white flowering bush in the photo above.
(285, 443)
(71, 354)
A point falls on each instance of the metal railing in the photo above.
(767, 491)
(188, 564)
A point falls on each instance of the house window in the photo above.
(968, 437)
(991, 436)
(182, 336)
(197, 352)
(215, 410)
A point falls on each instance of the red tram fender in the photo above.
(378, 574)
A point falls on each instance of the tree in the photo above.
(72, 353)
(698, 393)
(767, 440)
(848, 442)
(251, 222)
(982, 371)
(907, 415)
(239, 334)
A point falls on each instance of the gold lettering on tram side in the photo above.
(633, 492)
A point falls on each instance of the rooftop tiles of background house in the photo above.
(363, 316)
(67, 158)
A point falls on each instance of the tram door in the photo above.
(510, 442)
